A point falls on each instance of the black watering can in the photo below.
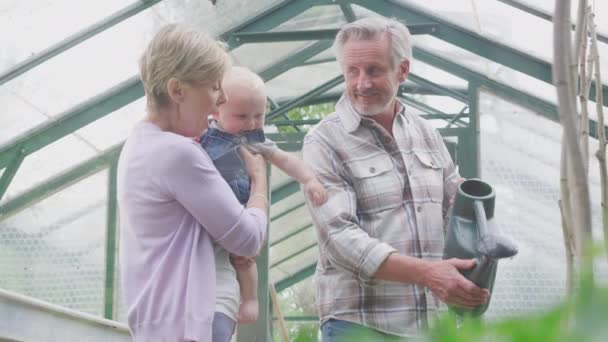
(471, 234)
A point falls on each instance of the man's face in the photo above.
(371, 81)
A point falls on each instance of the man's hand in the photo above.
(451, 287)
(315, 192)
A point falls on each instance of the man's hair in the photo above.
(182, 53)
(372, 28)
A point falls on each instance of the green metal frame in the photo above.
(471, 41)
(309, 95)
(293, 255)
(111, 222)
(11, 171)
(542, 14)
(513, 95)
(76, 39)
(291, 234)
(296, 277)
(71, 121)
(413, 77)
(260, 330)
(325, 34)
(59, 182)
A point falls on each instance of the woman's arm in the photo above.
(198, 187)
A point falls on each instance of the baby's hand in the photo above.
(315, 192)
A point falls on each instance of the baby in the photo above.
(240, 121)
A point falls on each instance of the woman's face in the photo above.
(197, 101)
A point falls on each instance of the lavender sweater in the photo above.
(172, 204)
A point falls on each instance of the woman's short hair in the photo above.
(373, 27)
(179, 52)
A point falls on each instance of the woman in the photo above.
(173, 203)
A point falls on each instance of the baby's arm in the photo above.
(301, 172)
(247, 275)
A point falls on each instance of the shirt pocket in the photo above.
(376, 183)
(428, 173)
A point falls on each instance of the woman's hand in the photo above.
(241, 263)
(255, 164)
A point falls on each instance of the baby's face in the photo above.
(242, 113)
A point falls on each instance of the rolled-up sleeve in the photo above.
(197, 185)
(341, 240)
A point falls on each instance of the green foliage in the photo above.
(312, 112)
(581, 319)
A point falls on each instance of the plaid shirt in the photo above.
(385, 195)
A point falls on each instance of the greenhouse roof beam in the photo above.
(471, 41)
(514, 95)
(299, 35)
(303, 273)
(75, 39)
(542, 14)
(309, 95)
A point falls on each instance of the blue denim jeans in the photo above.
(223, 149)
(336, 330)
(223, 328)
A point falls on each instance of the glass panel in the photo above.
(41, 24)
(104, 60)
(298, 262)
(492, 70)
(18, 115)
(495, 20)
(436, 75)
(115, 127)
(256, 58)
(444, 104)
(87, 69)
(600, 9)
(55, 249)
(50, 160)
(215, 19)
(315, 18)
(298, 81)
(520, 154)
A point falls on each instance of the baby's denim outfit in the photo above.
(223, 149)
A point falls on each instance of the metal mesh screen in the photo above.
(55, 249)
(520, 154)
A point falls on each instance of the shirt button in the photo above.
(419, 209)
(372, 169)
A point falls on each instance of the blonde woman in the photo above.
(173, 203)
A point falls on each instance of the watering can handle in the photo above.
(480, 217)
(482, 226)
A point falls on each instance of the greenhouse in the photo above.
(70, 94)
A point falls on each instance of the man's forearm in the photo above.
(403, 269)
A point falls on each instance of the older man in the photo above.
(390, 179)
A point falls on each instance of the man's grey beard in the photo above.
(377, 110)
